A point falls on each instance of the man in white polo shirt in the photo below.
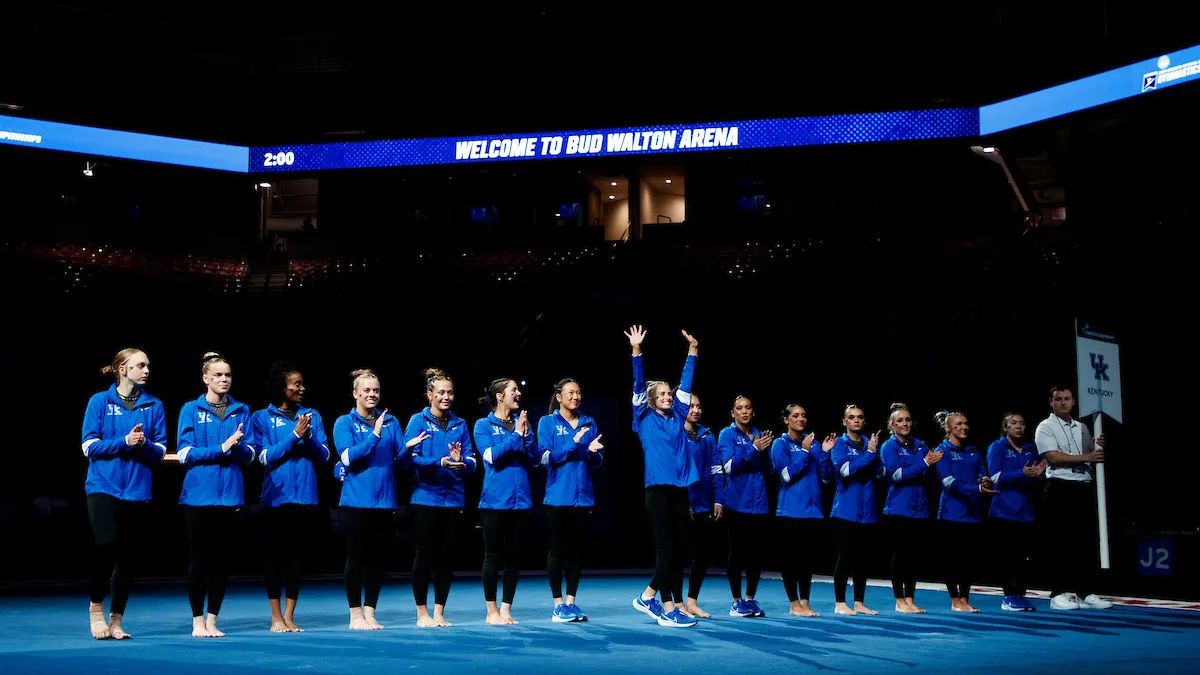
(1069, 511)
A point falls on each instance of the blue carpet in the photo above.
(48, 634)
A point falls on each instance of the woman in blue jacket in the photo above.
(124, 438)
(1016, 471)
(291, 444)
(370, 453)
(213, 448)
(441, 459)
(906, 463)
(571, 451)
(705, 508)
(964, 483)
(659, 421)
(854, 514)
(745, 457)
(803, 466)
(506, 445)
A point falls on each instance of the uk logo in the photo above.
(562, 431)
(203, 417)
(1099, 366)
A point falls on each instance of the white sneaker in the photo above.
(1064, 601)
(1094, 601)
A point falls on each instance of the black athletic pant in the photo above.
(850, 541)
(568, 529)
(368, 534)
(960, 543)
(211, 532)
(115, 525)
(703, 531)
(908, 541)
(288, 532)
(667, 507)
(746, 544)
(502, 546)
(434, 528)
(1014, 542)
(1069, 517)
(801, 539)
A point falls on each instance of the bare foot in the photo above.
(913, 606)
(291, 625)
(494, 619)
(278, 626)
(369, 616)
(211, 626)
(904, 608)
(801, 608)
(692, 608)
(357, 621)
(99, 626)
(199, 630)
(425, 621)
(843, 609)
(860, 608)
(507, 617)
(441, 621)
(966, 607)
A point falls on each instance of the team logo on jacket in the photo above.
(114, 410)
(203, 417)
(498, 430)
(361, 428)
(957, 456)
(276, 422)
(431, 427)
(562, 431)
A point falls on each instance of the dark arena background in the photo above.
(946, 271)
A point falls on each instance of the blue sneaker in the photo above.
(578, 613)
(676, 619)
(1012, 603)
(753, 605)
(562, 614)
(739, 608)
(1025, 604)
(651, 608)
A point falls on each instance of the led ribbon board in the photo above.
(1113, 85)
(662, 139)
(123, 144)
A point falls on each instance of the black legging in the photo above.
(434, 528)
(502, 544)
(850, 540)
(667, 507)
(568, 527)
(114, 526)
(211, 530)
(288, 535)
(960, 542)
(368, 534)
(1014, 543)
(746, 544)
(702, 529)
(801, 537)
(908, 540)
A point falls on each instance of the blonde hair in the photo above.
(119, 360)
(209, 359)
(362, 374)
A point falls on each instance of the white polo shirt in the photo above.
(1070, 438)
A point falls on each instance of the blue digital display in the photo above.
(123, 144)
(909, 125)
(1113, 85)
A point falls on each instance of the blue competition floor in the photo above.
(49, 634)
